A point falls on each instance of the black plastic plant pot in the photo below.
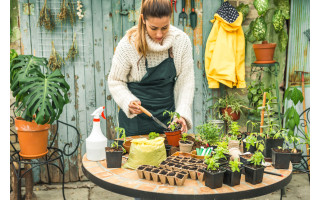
(114, 159)
(232, 178)
(271, 143)
(253, 175)
(213, 180)
(168, 148)
(280, 160)
(244, 160)
(252, 149)
(296, 157)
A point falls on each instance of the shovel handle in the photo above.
(145, 111)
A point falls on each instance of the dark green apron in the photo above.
(155, 91)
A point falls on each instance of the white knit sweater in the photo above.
(124, 69)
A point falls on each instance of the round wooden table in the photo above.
(127, 182)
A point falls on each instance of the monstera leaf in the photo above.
(46, 95)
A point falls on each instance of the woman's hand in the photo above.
(134, 109)
(183, 124)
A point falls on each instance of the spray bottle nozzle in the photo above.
(97, 113)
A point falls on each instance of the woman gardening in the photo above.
(153, 67)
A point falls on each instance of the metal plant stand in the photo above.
(54, 154)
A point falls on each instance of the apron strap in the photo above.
(170, 55)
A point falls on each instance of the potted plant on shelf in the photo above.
(209, 133)
(173, 133)
(114, 153)
(40, 98)
(184, 144)
(214, 173)
(254, 171)
(232, 175)
(229, 107)
(258, 29)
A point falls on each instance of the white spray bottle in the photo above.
(96, 142)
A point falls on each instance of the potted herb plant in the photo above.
(184, 144)
(234, 132)
(258, 29)
(114, 153)
(221, 153)
(254, 171)
(40, 97)
(214, 173)
(229, 107)
(252, 143)
(173, 133)
(209, 133)
(232, 175)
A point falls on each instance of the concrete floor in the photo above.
(298, 189)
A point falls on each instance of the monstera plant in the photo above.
(40, 97)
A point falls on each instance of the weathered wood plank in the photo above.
(127, 20)
(111, 106)
(25, 29)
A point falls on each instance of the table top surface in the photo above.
(127, 182)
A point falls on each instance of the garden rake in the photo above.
(183, 15)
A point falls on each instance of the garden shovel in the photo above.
(145, 111)
(193, 16)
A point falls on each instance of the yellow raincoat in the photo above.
(225, 52)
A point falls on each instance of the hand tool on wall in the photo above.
(145, 111)
(183, 15)
(175, 4)
(304, 107)
(193, 16)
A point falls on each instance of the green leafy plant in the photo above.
(229, 101)
(212, 163)
(244, 9)
(172, 125)
(252, 140)
(256, 159)
(184, 137)
(39, 96)
(13, 54)
(291, 115)
(234, 165)
(234, 130)
(153, 135)
(221, 150)
(120, 135)
(209, 132)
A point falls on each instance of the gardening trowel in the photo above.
(193, 16)
(145, 111)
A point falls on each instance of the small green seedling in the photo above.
(234, 165)
(234, 130)
(122, 132)
(184, 137)
(212, 163)
(257, 159)
(153, 135)
(172, 125)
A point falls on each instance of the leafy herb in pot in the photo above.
(173, 126)
(153, 135)
(209, 133)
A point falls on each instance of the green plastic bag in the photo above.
(278, 20)
(146, 152)
(284, 6)
(244, 9)
(259, 29)
(261, 6)
(283, 40)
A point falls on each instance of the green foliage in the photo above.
(234, 130)
(293, 94)
(283, 38)
(173, 125)
(259, 29)
(38, 94)
(255, 96)
(221, 150)
(253, 124)
(257, 158)
(153, 135)
(234, 165)
(278, 20)
(244, 9)
(184, 137)
(252, 140)
(13, 54)
(261, 6)
(212, 163)
(120, 135)
(284, 6)
(209, 132)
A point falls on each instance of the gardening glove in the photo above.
(234, 149)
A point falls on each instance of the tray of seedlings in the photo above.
(174, 170)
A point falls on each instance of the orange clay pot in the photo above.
(173, 137)
(234, 116)
(33, 138)
(264, 52)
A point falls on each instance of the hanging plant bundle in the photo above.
(66, 11)
(79, 9)
(261, 6)
(55, 60)
(278, 20)
(259, 29)
(73, 51)
(46, 18)
(244, 9)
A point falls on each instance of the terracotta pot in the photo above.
(185, 148)
(127, 146)
(33, 138)
(234, 116)
(264, 52)
(173, 137)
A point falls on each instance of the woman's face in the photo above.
(157, 28)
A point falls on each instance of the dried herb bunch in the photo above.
(66, 11)
(46, 18)
(73, 51)
(55, 60)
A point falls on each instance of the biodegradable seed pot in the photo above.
(171, 178)
(179, 178)
(155, 175)
(147, 173)
(140, 171)
(281, 158)
(163, 176)
(264, 52)
(185, 146)
(114, 157)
